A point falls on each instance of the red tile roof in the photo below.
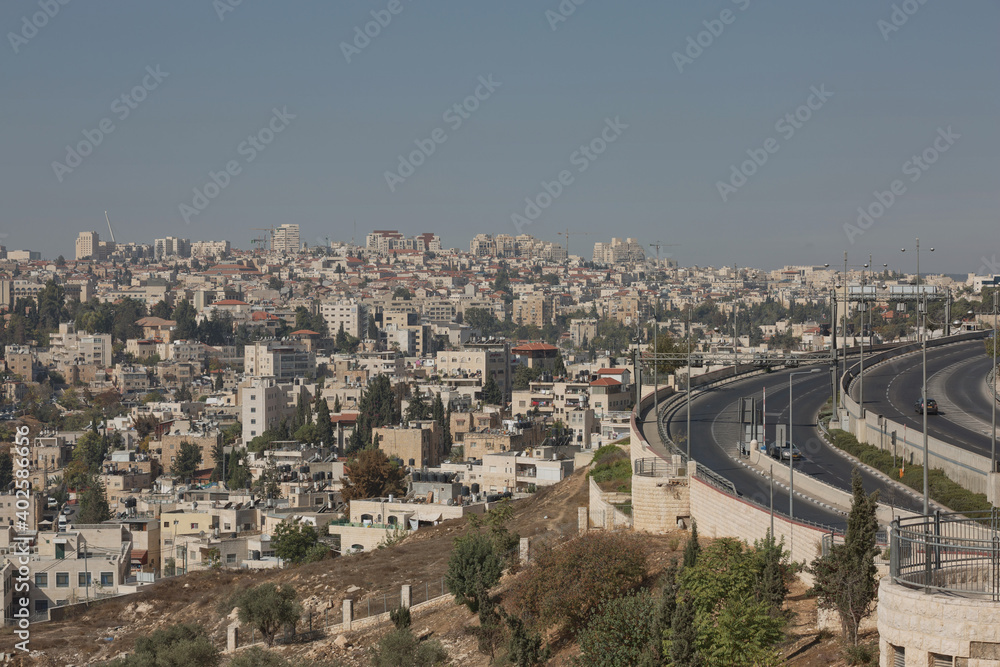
(534, 347)
(605, 382)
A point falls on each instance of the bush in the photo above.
(940, 487)
(612, 469)
(861, 654)
(619, 632)
(473, 569)
(400, 648)
(177, 645)
(565, 585)
(400, 617)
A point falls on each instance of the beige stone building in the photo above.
(417, 444)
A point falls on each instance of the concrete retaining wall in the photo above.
(946, 625)
(720, 515)
(658, 502)
(603, 514)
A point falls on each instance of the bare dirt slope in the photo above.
(84, 639)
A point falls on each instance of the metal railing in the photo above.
(654, 466)
(948, 552)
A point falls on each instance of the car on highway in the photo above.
(932, 406)
(783, 453)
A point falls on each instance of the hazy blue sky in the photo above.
(892, 91)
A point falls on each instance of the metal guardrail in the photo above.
(654, 466)
(952, 553)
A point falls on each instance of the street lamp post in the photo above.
(922, 310)
(687, 433)
(993, 388)
(791, 440)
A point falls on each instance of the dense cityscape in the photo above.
(563, 333)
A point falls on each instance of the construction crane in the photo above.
(566, 235)
(109, 226)
(269, 230)
(660, 244)
(259, 242)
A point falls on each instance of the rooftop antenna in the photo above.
(109, 226)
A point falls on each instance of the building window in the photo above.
(898, 656)
(194, 526)
(41, 580)
(107, 579)
(41, 606)
(230, 558)
(83, 579)
(938, 660)
(62, 579)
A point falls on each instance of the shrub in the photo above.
(564, 585)
(400, 648)
(180, 644)
(473, 569)
(612, 469)
(400, 617)
(620, 631)
(939, 486)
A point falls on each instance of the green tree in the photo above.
(400, 648)
(6, 469)
(402, 293)
(524, 648)
(417, 409)
(378, 406)
(161, 310)
(239, 472)
(693, 548)
(324, 427)
(492, 394)
(94, 506)
(473, 568)
(524, 376)
(620, 631)
(185, 316)
(846, 578)
(91, 450)
(187, 461)
(268, 608)
(292, 540)
(684, 637)
(372, 328)
(51, 305)
(220, 382)
(179, 645)
(336, 404)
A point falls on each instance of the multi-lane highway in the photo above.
(956, 379)
(715, 431)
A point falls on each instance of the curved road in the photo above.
(715, 432)
(956, 379)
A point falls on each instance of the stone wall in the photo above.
(603, 513)
(658, 502)
(947, 625)
(720, 515)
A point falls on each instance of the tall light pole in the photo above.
(993, 388)
(791, 440)
(687, 433)
(922, 332)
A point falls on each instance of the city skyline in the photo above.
(694, 125)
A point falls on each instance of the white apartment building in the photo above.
(348, 313)
(263, 404)
(283, 360)
(88, 246)
(172, 247)
(286, 239)
(210, 248)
